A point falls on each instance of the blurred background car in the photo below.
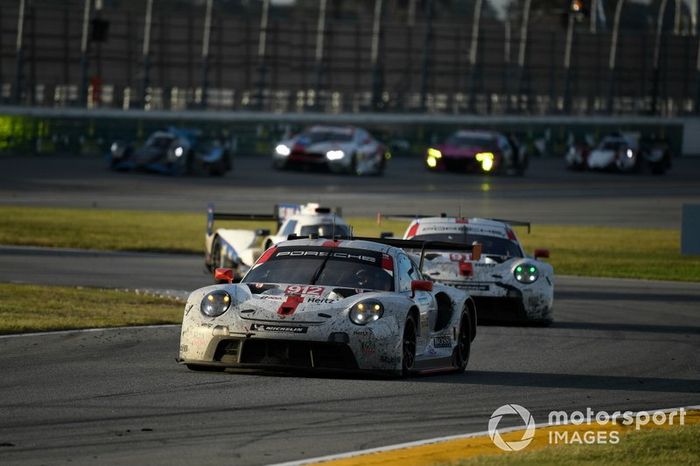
(341, 149)
(173, 151)
(478, 152)
(622, 153)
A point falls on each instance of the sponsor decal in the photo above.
(366, 332)
(472, 287)
(183, 348)
(304, 289)
(390, 359)
(267, 297)
(337, 255)
(368, 346)
(442, 341)
(278, 328)
(319, 300)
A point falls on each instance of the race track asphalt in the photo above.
(546, 194)
(118, 396)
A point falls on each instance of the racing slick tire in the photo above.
(460, 355)
(352, 170)
(408, 347)
(218, 259)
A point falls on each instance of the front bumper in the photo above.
(291, 345)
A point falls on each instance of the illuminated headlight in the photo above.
(629, 153)
(114, 147)
(526, 273)
(434, 153)
(283, 150)
(215, 303)
(335, 154)
(486, 159)
(179, 151)
(366, 311)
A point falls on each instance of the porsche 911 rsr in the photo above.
(477, 151)
(342, 149)
(325, 304)
(174, 151)
(505, 283)
(238, 249)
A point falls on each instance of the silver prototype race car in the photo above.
(357, 305)
(505, 283)
(238, 249)
(341, 149)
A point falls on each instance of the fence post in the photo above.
(206, 34)
(377, 72)
(84, 59)
(19, 54)
(427, 54)
(613, 53)
(262, 45)
(146, 52)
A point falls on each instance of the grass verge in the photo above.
(25, 308)
(575, 250)
(672, 446)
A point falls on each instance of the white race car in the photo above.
(505, 283)
(327, 304)
(342, 149)
(238, 249)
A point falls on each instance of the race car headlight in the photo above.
(486, 160)
(366, 311)
(335, 154)
(282, 150)
(434, 153)
(215, 303)
(526, 273)
(179, 151)
(629, 153)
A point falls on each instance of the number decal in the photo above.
(458, 257)
(307, 290)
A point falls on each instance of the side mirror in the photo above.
(262, 232)
(541, 253)
(386, 234)
(223, 275)
(421, 285)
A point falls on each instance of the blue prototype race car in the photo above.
(173, 151)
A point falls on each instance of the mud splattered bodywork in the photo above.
(504, 282)
(350, 313)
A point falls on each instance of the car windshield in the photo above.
(325, 229)
(612, 145)
(475, 140)
(490, 245)
(329, 135)
(161, 142)
(337, 267)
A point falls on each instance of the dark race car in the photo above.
(477, 152)
(173, 151)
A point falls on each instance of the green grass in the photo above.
(674, 446)
(575, 250)
(32, 308)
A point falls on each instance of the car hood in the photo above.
(453, 267)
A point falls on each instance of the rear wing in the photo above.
(280, 213)
(423, 246)
(515, 223)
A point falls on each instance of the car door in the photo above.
(427, 306)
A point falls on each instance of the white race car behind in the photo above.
(354, 305)
(505, 283)
(342, 149)
(238, 249)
